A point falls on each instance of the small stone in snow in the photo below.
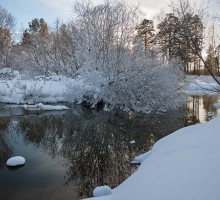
(15, 161)
(102, 191)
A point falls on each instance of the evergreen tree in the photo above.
(168, 37)
(212, 60)
(37, 29)
(174, 39)
(145, 31)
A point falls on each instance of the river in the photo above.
(69, 153)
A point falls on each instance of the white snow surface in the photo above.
(42, 89)
(5, 71)
(15, 161)
(102, 191)
(200, 85)
(183, 165)
(132, 142)
(216, 105)
(41, 106)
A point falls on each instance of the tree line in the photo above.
(179, 36)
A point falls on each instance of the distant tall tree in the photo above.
(174, 39)
(168, 37)
(212, 60)
(181, 9)
(191, 26)
(145, 31)
(37, 28)
(217, 53)
(6, 25)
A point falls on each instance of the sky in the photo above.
(26, 10)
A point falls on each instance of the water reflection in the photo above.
(84, 148)
(5, 150)
(201, 109)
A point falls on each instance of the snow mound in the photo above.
(5, 71)
(42, 107)
(141, 158)
(132, 142)
(15, 161)
(102, 191)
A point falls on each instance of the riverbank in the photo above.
(200, 85)
(56, 89)
(183, 165)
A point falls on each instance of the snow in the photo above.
(209, 114)
(199, 85)
(183, 165)
(141, 158)
(132, 142)
(102, 191)
(42, 107)
(15, 161)
(216, 105)
(5, 71)
(32, 91)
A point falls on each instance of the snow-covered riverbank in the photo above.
(200, 85)
(183, 165)
(56, 89)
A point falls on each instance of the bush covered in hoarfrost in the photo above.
(116, 69)
(154, 87)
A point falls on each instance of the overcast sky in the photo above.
(26, 10)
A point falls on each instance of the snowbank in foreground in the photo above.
(183, 165)
(200, 85)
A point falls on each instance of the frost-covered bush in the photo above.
(152, 86)
(7, 74)
(114, 69)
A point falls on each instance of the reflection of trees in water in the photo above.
(98, 153)
(194, 108)
(45, 131)
(208, 102)
(98, 149)
(5, 151)
(97, 145)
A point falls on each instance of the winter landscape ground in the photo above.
(183, 165)
(54, 89)
(110, 57)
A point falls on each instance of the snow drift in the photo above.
(183, 165)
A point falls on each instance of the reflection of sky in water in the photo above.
(38, 179)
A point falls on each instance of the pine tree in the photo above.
(37, 29)
(168, 37)
(145, 31)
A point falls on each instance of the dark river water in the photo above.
(69, 153)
